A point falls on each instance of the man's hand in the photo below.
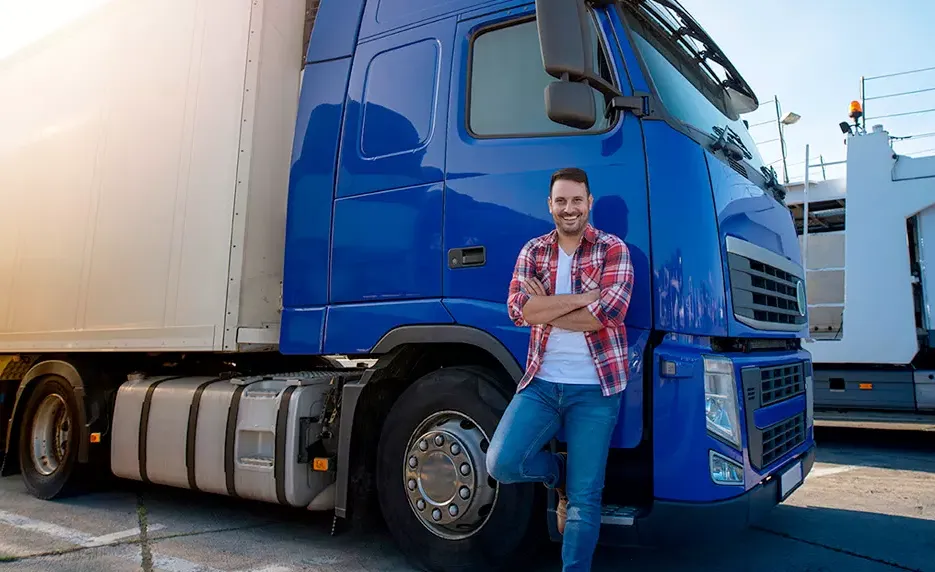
(534, 287)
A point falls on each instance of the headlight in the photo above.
(720, 395)
(723, 470)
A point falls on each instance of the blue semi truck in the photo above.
(422, 137)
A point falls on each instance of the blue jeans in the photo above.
(517, 454)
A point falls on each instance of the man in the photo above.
(573, 287)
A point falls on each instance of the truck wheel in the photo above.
(48, 439)
(444, 510)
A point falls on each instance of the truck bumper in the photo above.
(670, 522)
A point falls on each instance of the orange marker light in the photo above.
(856, 110)
(866, 386)
(320, 464)
(95, 437)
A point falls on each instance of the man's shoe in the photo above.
(561, 510)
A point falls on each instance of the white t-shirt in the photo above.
(567, 357)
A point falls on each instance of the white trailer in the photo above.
(869, 247)
(144, 163)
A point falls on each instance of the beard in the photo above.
(569, 226)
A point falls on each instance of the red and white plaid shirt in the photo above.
(601, 261)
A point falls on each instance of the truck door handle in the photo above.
(467, 257)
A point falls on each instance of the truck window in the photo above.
(686, 88)
(507, 84)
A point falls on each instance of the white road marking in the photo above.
(85, 540)
(173, 564)
(825, 470)
(69, 534)
(64, 533)
(112, 538)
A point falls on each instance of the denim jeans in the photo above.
(517, 454)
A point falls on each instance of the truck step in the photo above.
(257, 461)
(619, 515)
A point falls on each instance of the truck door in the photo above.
(387, 222)
(502, 150)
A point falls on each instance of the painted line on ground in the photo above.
(826, 470)
(117, 536)
(107, 541)
(82, 539)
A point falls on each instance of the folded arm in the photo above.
(548, 309)
(529, 304)
(580, 320)
(610, 308)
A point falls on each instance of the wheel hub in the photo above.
(51, 432)
(445, 475)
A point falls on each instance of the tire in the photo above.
(507, 528)
(54, 404)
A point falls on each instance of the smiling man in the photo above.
(573, 287)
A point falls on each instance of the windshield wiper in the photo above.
(727, 142)
(731, 143)
(688, 27)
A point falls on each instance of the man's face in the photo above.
(570, 205)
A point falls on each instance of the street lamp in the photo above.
(790, 118)
(783, 120)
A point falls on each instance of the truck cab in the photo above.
(426, 138)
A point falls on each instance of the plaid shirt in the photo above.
(601, 261)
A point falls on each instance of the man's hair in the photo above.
(570, 174)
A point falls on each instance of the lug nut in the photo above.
(439, 440)
(413, 462)
(412, 484)
(423, 445)
(453, 510)
(420, 504)
(465, 469)
(455, 449)
(465, 493)
(437, 514)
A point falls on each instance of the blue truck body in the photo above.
(394, 168)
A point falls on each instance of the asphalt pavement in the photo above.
(869, 505)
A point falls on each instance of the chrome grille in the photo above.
(765, 287)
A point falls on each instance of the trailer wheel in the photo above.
(444, 510)
(48, 444)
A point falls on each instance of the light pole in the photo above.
(781, 121)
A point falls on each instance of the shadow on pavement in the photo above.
(793, 539)
(883, 449)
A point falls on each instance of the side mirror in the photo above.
(564, 39)
(568, 55)
(570, 104)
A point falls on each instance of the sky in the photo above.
(809, 53)
(812, 54)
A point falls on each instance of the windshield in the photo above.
(690, 91)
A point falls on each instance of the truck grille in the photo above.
(781, 438)
(766, 289)
(764, 387)
(781, 383)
